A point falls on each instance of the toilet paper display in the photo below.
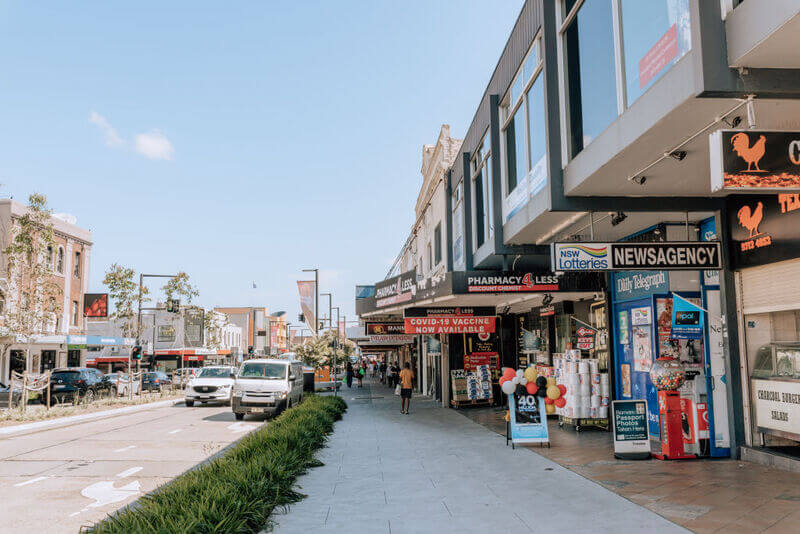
(474, 385)
(588, 389)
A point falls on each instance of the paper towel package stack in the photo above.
(479, 383)
(587, 388)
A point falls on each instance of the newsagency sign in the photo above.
(688, 255)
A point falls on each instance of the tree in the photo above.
(318, 351)
(213, 323)
(180, 288)
(124, 293)
(33, 296)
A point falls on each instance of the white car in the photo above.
(211, 384)
(267, 386)
(121, 382)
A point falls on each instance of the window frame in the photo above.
(76, 269)
(437, 243)
(75, 313)
(60, 260)
(480, 163)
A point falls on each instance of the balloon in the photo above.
(502, 380)
(541, 392)
(550, 409)
(563, 389)
(551, 381)
(548, 400)
(560, 402)
(523, 381)
(520, 373)
(541, 382)
(553, 392)
(507, 387)
(531, 388)
(508, 373)
(531, 374)
(515, 380)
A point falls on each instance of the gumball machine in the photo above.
(667, 375)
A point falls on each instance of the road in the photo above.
(58, 480)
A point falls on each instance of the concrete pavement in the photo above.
(57, 480)
(437, 471)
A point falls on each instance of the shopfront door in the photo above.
(48, 360)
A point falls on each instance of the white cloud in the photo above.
(154, 145)
(110, 134)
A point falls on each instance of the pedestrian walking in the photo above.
(360, 373)
(383, 372)
(395, 374)
(349, 374)
(406, 383)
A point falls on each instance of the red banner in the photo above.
(449, 325)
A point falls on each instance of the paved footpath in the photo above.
(60, 479)
(439, 472)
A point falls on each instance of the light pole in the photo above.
(335, 346)
(315, 326)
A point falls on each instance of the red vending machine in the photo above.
(667, 376)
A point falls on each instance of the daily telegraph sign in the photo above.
(684, 255)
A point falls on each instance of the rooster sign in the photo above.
(750, 154)
(751, 219)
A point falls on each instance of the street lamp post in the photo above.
(335, 346)
(316, 299)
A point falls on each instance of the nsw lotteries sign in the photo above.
(683, 255)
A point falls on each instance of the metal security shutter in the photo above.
(770, 288)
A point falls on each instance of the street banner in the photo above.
(307, 291)
(647, 256)
(527, 419)
(687, 319)
(748, 160)
(631, 441)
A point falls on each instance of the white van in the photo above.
(267, 386)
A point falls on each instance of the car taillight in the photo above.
(155, 381)
(80, 381)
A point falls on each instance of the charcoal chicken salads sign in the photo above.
(763, 228)
(762, 160)
(669, 255)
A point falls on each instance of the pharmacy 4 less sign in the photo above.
(674, 255)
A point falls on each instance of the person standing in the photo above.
(383, 372)
(349, 374)
(406, 383)
(395, 374)
(360, 372)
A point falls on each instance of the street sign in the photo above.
(584, 332)
(631, 441)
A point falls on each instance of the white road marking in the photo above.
(175, 431)
(123, 449)
(241, 427)
(31, 481)
(129, 472)
(104, 493)
(73, 514)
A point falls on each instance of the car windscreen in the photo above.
(215, 372)
(270, 371)
(66, 375)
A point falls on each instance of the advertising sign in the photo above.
(676, 255)
(391, 339)
(166, 333)
(365, 292)
(527, 419)
(777, 407)
(641, 316)
(374, 329)
(396, 290)
(457, 320)
(638, 284)
(95, 305)
(687, 320)
(631, 441)
(526, 282)
(307, 291)
(760, 160)
(764, 228)
(642, 349)
(193, 328)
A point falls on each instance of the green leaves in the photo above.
(124, 292)
(238, 491)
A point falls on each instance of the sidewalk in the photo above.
(437, 471)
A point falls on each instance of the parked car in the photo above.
(183, 376)
(211, 384)
(120, 383)
(5, 392)
(74, 383)
(266, 386)
(155, 381)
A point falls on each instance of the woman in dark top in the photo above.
(349, 374)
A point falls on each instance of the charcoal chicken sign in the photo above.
(763, 228)
(755, 160)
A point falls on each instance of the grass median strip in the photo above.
(238, 491)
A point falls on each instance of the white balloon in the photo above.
(523, 381)
(515, 380)
(520, 372)
(508, 387)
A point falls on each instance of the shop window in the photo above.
(655, 35)
(437, 243)
(77, 269)
(588, 41)
(524, 137)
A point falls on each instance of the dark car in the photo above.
(79, 383)
(155, 380)
(4, 392)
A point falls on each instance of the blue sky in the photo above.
(239, 141)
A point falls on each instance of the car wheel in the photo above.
(89, 395)
(189, 403)
(239, 416)
(112, 393)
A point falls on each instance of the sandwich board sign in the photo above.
(631, 441)
(527, 419)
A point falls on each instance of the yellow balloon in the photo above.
(530, 374)
(550, 408)
(553, 392)
(551, 381)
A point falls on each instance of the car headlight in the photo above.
(282, 395)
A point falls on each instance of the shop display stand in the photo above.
(583, 422)
(513, 446)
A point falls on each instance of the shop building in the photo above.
(254, 322)
(602, 124)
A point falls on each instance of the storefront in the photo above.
(106, 353)
(765, 250)
(168, 360)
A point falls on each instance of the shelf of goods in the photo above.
(471, 388)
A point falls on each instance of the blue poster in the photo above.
(687, 319)
(528, 419)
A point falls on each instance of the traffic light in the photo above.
(250, 351)
(173, 305)
(136, 353)
(301, 318)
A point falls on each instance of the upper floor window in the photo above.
(458, 226)
(60, 260)
(437, 244)
(48, 260)
(481, 168)
(524, 135)
(75, 315)
(430, 256)
(77, 268)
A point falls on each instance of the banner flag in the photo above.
(307, 295)
(687, 319)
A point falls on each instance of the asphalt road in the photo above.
(58, 480)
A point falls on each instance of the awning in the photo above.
(104, 341)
